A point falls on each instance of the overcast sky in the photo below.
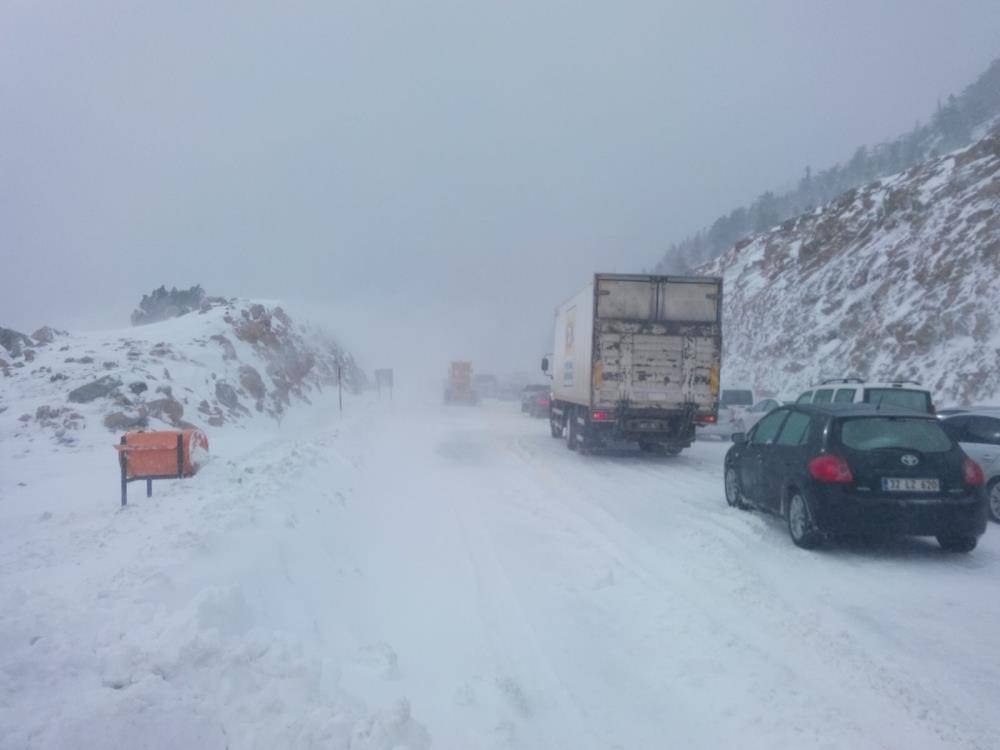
(430, 174)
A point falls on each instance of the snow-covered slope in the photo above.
(233, 362)
(900, 278)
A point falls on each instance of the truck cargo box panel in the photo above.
(640, 343)
(650, 366)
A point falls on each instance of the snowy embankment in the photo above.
(182, 620)
(896, 279)
(412, 577)
(233, 361)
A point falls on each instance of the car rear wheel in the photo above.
(957, 543)
(994, 498)
(801, 527)
(734, 495)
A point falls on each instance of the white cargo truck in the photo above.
(636, 359)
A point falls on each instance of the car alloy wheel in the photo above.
(995, 500)
(800, 524)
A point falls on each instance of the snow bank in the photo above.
(177, 622)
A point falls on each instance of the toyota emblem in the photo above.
(909, 460)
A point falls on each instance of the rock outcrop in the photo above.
(14, 342)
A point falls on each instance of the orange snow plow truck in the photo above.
(458, 389)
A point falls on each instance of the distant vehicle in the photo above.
(760, 410)
(832, 469)
(735, 405)
(509, 392)
(978, 433)
(486, 386)
(636, 359)
(458, 389)
(535, 400)
(952, 410)
(904, 394)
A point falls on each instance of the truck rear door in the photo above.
(657, 341)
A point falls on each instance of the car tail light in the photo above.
(601, 416)
(973, 473)
(707, 418)
(543, 402)
(831, 469)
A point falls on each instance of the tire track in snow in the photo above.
(763, 608)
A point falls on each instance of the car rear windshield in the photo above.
(874, 433)
(737, 398)
(536, 388)
(901, 397)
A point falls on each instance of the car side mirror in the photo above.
(545, 364)
(740, 438)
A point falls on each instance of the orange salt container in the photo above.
(163, 454)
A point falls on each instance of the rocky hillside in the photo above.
(899, 278)
(958, 122)
(228, 362)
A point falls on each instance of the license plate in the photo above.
(892, 484)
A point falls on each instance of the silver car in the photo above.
(758, 411)
(978, 432)
(734, 405)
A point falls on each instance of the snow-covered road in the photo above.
(455, 578)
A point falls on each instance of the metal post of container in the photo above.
(122, 458)
(340, 387)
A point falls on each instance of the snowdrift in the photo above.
(898, 279)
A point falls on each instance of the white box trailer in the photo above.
(637, 358)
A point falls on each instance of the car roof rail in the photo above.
(830, 381)
(904, 382)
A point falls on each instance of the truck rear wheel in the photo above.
(554, 427)
(571, 429)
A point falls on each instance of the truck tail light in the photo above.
(543, 402)
(830, 469)
(707, 418)
(601, 416)
(973, 473)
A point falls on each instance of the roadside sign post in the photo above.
(384, 378)
(340, 387)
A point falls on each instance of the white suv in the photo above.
(904, 394)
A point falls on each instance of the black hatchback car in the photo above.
(857, 469)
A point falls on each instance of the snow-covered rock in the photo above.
(897, 279)
(235, 361)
